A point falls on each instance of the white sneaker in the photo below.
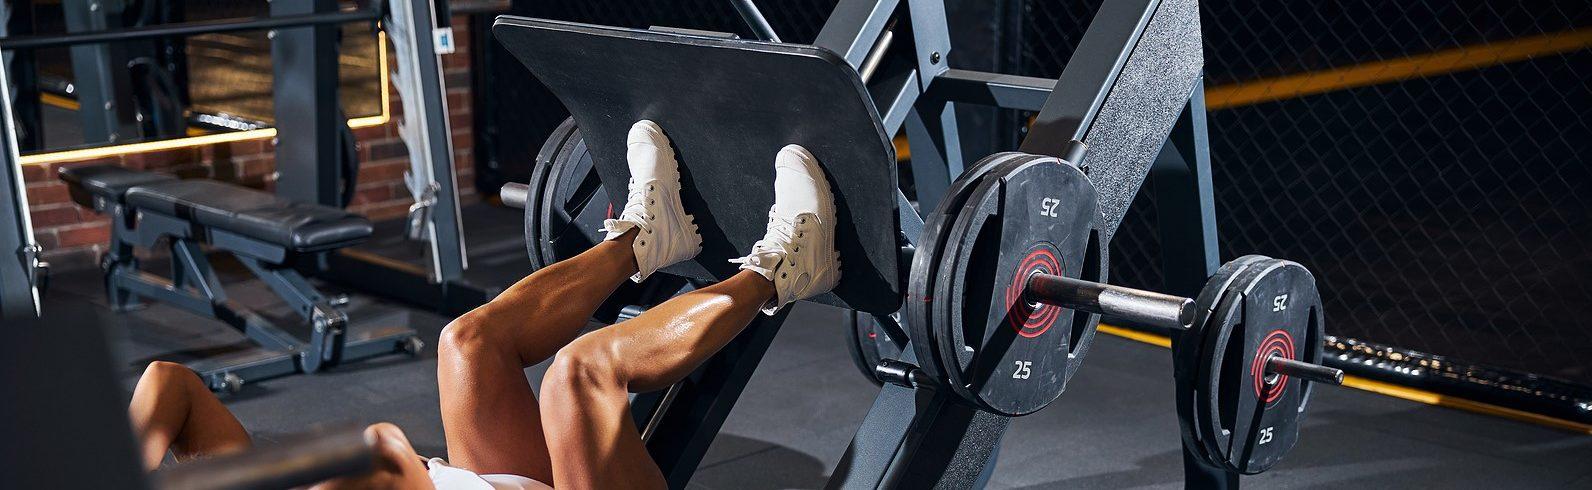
(668, 235)
(798, 253)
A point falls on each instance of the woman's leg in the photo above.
(489, 413)
(586, 412)
(173, 410)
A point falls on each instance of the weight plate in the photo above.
(565, 206)
(535, 188)
(1217, 333)
(1190, 347)
(1000, 351)
(873, 341)
(945, 286)
(1248, 418)
(925, 261)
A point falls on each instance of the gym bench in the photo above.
(269, 235)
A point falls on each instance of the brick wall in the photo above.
(73, 236)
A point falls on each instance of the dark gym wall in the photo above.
(1443, 210)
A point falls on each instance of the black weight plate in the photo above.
(1013, 357)
(1250, 423)
(1190, 347)
(873, 341)
(944, 283)
(925, 261)
(1214, 338)
(535, 188)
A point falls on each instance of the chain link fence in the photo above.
(1432, 172)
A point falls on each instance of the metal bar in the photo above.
(754, 19)
(187, 29)
(304, 91)
(1185, 203)
(345, 452)
(854, 26)
(1090, 75)
(1138, 306)
(514, 194)
(1304, 370)
(993, 89)
(914, 438)
(18, 250)
(429, 134)
(93, 70)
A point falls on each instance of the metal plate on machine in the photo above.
(1243, 417)
(728, 106)
(995, 348)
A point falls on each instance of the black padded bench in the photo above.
(269, 235)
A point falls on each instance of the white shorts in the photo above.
(446, 477)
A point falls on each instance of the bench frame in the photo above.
(194, 286)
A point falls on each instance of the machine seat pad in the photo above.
(111, 182)
(297, 226)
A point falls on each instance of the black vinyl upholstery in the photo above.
(256, 214)
(263, 216)
(85, 182)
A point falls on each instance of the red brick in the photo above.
(38, 172)
(386, 211)
(387, 171)
(54, 215)
(49, 193)
(88, 234)
(392, 148)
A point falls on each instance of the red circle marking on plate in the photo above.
(1028, 321)
(1278, 343)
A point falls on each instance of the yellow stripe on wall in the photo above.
(1419, 66)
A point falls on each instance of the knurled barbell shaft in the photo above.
(1304, 370)
(513, 194)
(1132, 305)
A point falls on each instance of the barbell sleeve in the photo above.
(1304, 370)
(1133, 305)
(513, 194)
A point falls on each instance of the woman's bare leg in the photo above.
(173, 410)
(489, 413)
(587, 410)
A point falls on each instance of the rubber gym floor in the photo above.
(1115, 427)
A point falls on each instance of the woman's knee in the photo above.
(469, 332)
(169, 377)
(588, 362)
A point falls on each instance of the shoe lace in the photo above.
(636, 202)
(780, 235)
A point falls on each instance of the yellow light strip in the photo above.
(1426, 65)
(1396, 391)
(58, 101)
(214, 138)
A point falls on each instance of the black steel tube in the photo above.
(1133, 305)
(1304, 370)
(286, 465)
(514, 194)
(186, 29)
(754, 18)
